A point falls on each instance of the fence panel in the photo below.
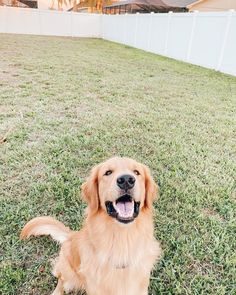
(180, 29)
(143, 31)
(55, 24)
(158, 33)
(107, 27)
(113, 28)
(49, 22)
(86, 25)
(130, 34)
(228, 63)
(208, 39)
(21, 21)
(3, 20)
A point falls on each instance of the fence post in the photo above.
(102, 25)
(40, 26)
(149, 31)
(5, 16)
(222, 51)
(71, 24)
(136, 28)
(195, 13)
(168, 30)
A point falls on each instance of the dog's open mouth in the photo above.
(125, 209)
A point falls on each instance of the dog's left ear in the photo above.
(90, 191)
(151, 188)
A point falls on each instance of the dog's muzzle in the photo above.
(125, 209)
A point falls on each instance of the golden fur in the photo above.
(105, 257)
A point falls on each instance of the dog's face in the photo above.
(121, 187)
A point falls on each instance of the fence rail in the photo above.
(207, 39)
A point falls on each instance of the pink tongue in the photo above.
(125, 209)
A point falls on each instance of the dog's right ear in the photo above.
(150, 187)
(90, 191)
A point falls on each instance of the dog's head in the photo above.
(121, 187)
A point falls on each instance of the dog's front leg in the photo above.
(143, 290)
(59, 288)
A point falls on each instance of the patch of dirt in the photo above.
(8, 76)
(203, 268)
(212, 213)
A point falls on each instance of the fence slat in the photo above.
(149, 32)
(192, 35)
(168, 32)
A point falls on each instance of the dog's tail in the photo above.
(40, 226)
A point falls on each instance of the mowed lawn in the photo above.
(66, 104)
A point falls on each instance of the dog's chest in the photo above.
(119, 268)
(104, 280)
(122, 253)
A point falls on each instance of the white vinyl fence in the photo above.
(207, 39)
(49, 22)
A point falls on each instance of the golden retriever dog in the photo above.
(114, 252)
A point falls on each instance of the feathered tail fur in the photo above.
(46, 226)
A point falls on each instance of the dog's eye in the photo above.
(136, 172)
(108, 172)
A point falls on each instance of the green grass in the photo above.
(67, 104)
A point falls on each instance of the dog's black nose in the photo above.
(126, 181)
